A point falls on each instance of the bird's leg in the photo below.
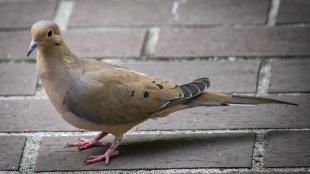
(106, 156)
(83, 143)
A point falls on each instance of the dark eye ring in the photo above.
(50, 33)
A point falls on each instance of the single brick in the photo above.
(290, 75)
(14, 44)
(237, 117)
(168, 12)
(119, 13)
(18, 79)
(202, 42)
(288, 149)
(227, 76)
(152, 152)
(30, 115)
(294, 11)
(208, 12)
(11, 149)
(105, 43)
(22, 14)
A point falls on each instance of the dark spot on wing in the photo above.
(146, 94)
(159, 86)
(153, 81)
(57, 44)
(132, 93)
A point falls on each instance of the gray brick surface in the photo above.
(202, 42)
(168, 12)
(116, 13)
(17, 79)
(288, 149)
(294, 11)
(30, 115)
(237, 117)
(11, 149)
(210, 12)
(228, 76)
(22, 14)
(290, 75)
(153, 152)
(14, 44)
(105, 43)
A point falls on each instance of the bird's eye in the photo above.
(50, 33)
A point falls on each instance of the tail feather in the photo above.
(257, 100)
(224, 99)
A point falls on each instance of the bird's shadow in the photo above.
(160, 145)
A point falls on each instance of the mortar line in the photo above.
(273, 12)
(264, 77)
(63, 13)
(259, 150)
(150, 42)
(30, 153)
(174, 171)
(177, 171)
(150, 132)
(9, 172)
(174, 10)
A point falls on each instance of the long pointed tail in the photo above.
(224, 99)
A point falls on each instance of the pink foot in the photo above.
(105, 157)
(83, 143)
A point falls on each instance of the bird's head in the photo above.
(45, 34)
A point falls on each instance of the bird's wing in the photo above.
(115, 95)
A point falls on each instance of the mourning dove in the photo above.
(93, 95)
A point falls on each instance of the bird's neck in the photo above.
(57, 61)
(59, 70)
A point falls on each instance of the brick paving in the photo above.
(21, 82)
(30, 115)
(294, 11)
(11, 149)
(13, 44)
(133, 12)
(296, 76)
(19, 14)
(154, 151)
(245, 46)
(200, 42)
(110, 43)
(288, 149)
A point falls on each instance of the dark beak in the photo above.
(32, 46)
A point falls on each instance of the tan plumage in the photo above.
(94, 95)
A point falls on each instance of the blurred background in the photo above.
(250, 47)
